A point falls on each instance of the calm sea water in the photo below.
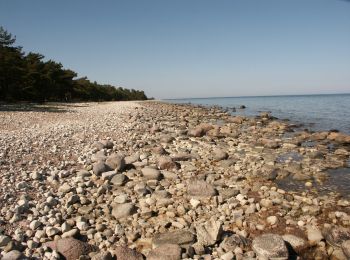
(315, 112)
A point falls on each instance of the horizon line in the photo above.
(282, 95)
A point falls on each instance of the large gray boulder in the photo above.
(269, 246)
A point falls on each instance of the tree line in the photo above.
(27, 77)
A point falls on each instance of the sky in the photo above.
(192, 48)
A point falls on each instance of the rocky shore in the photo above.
(150, 180)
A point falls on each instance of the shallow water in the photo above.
(315, 112)
(338, 181)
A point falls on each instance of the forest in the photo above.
(28, 77)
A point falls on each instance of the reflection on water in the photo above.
(338, 181)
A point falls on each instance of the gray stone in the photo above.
(228, 193)
(13, 255)
(232, 242)
(270, 246)
(103, 255)
(166, 163)
(119, 180)
(297, 243)
(108, 175)
(65, 188)
(166, 251)
(4, 240)
(346, 248)
(200, 188)
(301, 177)
(150, 173)
(179, 237)
(314, 235)
(116, 162)
(124, 253)
(335, 236)
(123, 210)
(209, 232)
(83, 173)
(219, 154)
(100, 167)
(132, 158)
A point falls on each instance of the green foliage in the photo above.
(30, 78)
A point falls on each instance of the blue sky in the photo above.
(193, 48)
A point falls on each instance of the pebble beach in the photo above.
(153, 180)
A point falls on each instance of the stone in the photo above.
(65, 188)
(267, 203)
(116, 162)
(13, 255)
(228, 193)
(297, 243)
(228, 256)
(314, 235)
(100, 167)
(169, 175)
(123, 210)
(108, 144)
(335, 236)
(51, 231)
(166, 251)
(166, 163)
(150, 173)
(196, 132)
(4, 240)
(103, 255)
(132, 159)
(200, 188)
(234, 241)
(83, 173)
(194, 203)
(346, 248)
(301, 177)
(119, 180)
(272, 220)
(108, 175)
(269, 246)
(209, 232)
(338, 254)
(98, 145)
(179, 237)
(71, 248)
(219, 154)
(71, 233)
(125, 253)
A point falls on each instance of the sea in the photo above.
(312, 112)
